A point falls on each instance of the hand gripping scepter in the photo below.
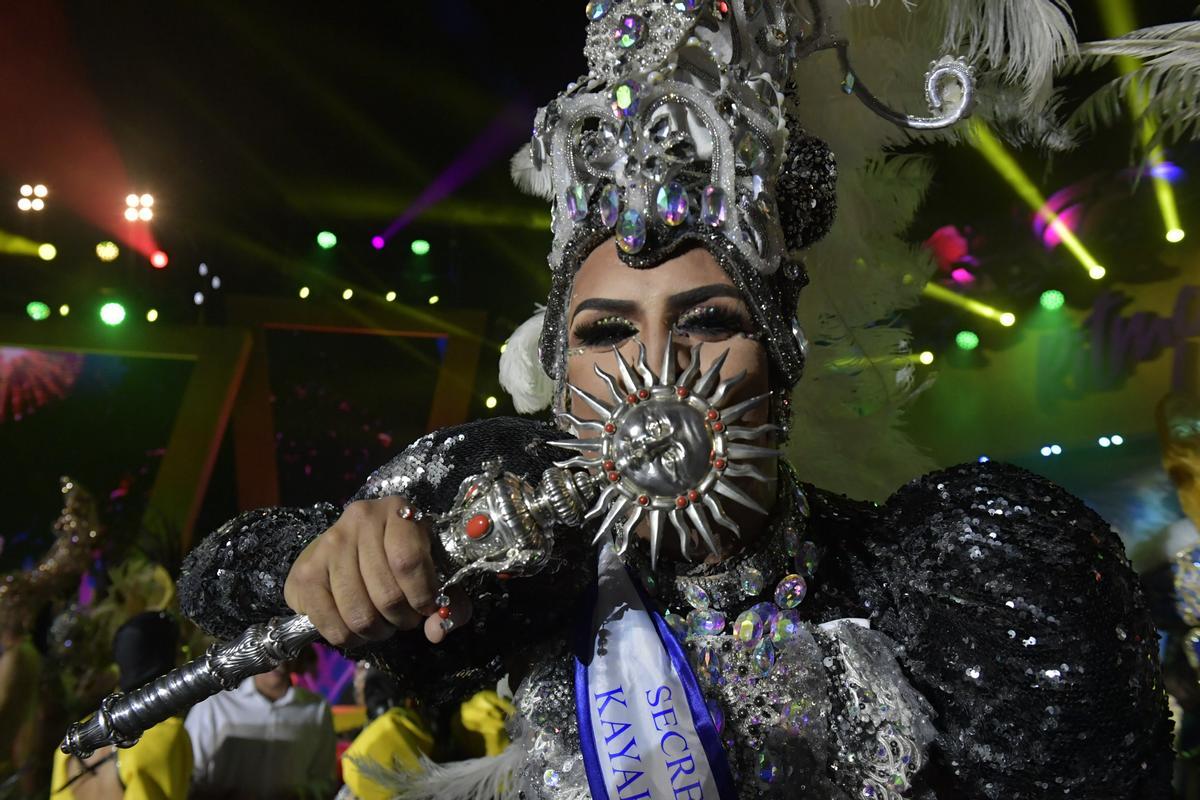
(661, 450)
(499, 524)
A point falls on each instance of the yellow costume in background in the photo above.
(158, 767)
(397, 737)
(478, 728)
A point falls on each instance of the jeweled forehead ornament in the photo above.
(665, 448)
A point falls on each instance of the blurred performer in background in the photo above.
(979, 635)
(159, 766)
(265, 739)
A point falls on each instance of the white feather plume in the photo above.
(521, 372)
(528, 178)
(488, 778)
(1167, 82)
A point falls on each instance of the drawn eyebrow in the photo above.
(605, 304)
(676, 301)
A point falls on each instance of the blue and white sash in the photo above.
(644, 727)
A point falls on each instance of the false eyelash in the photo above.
(712, 319)
(606, 331)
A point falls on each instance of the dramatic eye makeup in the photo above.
(711, 313)
(712, 322)
(604, 331)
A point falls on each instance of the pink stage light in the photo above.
(961, 275)
(377, 242)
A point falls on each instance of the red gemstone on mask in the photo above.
(693, 495)
(631, 398)
(609, 427)
(643, 393)
(712, 414)
(478, 526)
(614, 476)
(681, 501)
(609, 466)
(719, 463)
(682, 391)
(718, 426)
(643, 500)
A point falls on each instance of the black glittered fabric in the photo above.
(1015, 613)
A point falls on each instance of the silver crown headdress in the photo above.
(679, 135)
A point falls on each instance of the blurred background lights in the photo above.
(433, 299)
(158, 259)
(967, 340)
(347, 294)
(1097, 272)
(215, 282)
(1118, 439)
(202, 269)
(63, 310)
(1046, 451)
(107, 251)
(490, 402)
(32, 197)
(984, 459)
(37, 310)
(152, 315)
(326, 240)
(925, 357)
(303, 292)
(198, 298)
(1056, 449)
(390, 297)
(420, 247)
(1105, 441)
(1052, 300)
(1008, 319)
(1175, 235)
(47, 252)
(139, 207)
(112, 313)
(377, 242)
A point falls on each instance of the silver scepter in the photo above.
(662, 449)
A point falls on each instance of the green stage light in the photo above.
(112, 313)
(1052, 300)
(420, 247)
(37, 310)
(326, 240)
(967, 340)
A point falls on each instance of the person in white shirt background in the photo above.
(265, 739)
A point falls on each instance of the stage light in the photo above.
(63, 310)
(984, 459)
(152, 315)
(503, 347)
(1175, 235)
(107, 251)
(215, 282)
(145, 214)
(147, 200)
(1046, 452)
(346, 295)
(25, 204)
(158, 259)
(967, 340)
(131, 214)
(1118, 440)
(303, 292)
(433, 299)
(1008, 319)
(37, 310)
(1056, 449)
(112, 313)
(377, 242)
(490, 402)
(420, 247)
(1105, 441)
(47, 251)
(26, 190)
(390, 297)
(132, 200)
(139, 207)
(1097, 272)
(940, 293)
(37, 204)
(202, 269)
(1052, 300)
(925, 358)
(326, 240)
(198, 298)
(998, 156)
(40, 191)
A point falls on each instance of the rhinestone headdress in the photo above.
(678, 136)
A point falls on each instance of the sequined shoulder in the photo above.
(1023, 624)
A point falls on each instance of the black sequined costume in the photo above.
(1009, 607)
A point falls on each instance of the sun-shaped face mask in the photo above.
(664, 449)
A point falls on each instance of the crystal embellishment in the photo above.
(597, 9)
(706, 622)
(748, 628)
(626, 97)
(577, 202)
(631, 230)
(697, 597)
(713, 209)
(672, 202)
(687, 6)
(790, 592)
(610, 205)
(630, 31)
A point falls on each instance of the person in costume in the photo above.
(159, 765)
(979, 635)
